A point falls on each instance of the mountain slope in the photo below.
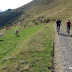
(47, 8)
(32, 50)
(25, 11)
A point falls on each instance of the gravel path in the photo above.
(63, 51)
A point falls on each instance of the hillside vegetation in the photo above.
(51, 9)
(32, 49)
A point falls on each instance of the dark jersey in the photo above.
(58, 22)
(68, 23)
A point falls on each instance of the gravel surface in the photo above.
(63, 51)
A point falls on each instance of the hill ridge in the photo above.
(36, 8)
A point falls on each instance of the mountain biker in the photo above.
(68, 24)
(58, 23)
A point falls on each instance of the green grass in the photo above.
(32, 50)
(11, 43)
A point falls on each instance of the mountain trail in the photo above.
(63, 51)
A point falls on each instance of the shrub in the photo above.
(47, 20)
(53, 19)
(36, 23)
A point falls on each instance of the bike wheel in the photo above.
(68, 31)
(58, 30)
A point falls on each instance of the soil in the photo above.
(63, 51)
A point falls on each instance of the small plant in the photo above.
(53, 19)
(47, 20)
(36, 23)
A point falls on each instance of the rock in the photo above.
(16, 32)
(1, 35)
(18, 69)
(10, 58)
(4, 68)
(26, 68)
(22, 62)
(63, 47)
(54, 62)
(70, 68)
(49, 68)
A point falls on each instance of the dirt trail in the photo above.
(63, 51)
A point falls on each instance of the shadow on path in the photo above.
(70, 35)
(63, 34)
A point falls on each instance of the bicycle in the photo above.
(68, 30)
(58, 29)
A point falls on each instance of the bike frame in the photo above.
(58, 29)
(68, 30)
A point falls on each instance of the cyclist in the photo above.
(68, 25)
(58, 24)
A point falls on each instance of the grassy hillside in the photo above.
(22, 13)
(30, 52)
(9, 41)
(35, 9)
(49, 9)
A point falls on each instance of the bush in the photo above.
(53, 19)
(47, 20)
(36, 23)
